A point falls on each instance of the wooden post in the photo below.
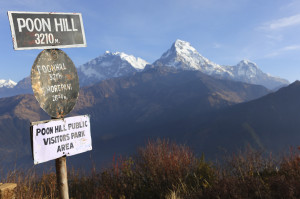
(62, 179)
(62, 176)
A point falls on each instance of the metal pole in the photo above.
(62, 179)
(62, 176)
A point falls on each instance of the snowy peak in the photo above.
(249, 72)
(183, 56)
(184, 48)
(180, 43)
(109, 65)
(137, 63)
(247, 64)
(188, 54)
(7, 83)
(246, 68)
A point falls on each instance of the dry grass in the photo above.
(166, 170)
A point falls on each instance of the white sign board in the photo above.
(60, 137)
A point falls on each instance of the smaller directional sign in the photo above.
(52, 139)
(54, 82)
(42, 30)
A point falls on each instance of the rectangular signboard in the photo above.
(43, 30)
(52, 139)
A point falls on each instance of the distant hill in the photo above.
(270, 123)
(22, 87)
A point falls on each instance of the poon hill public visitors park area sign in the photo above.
(55, 85)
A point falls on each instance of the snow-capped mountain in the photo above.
(180, 56)
(7, 83)
(108, 66)
(247, 71)
(183, 56)
(10, 88)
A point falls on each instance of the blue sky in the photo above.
(225, 31)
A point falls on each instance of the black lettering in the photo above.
(58, 149)
(38, 131)
(46, 141)
(56, 129)
(52, 140)
(64, 128)
(43, 131)
(56, 139)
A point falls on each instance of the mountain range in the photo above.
(158, 101)
(182, 96)
(181, 56)
(7, 83)
(108, 66)
(12, 89)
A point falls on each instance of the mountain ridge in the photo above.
(148, 103)
(269, 123)
(7, 83)
(109, 65)
(183, 56)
